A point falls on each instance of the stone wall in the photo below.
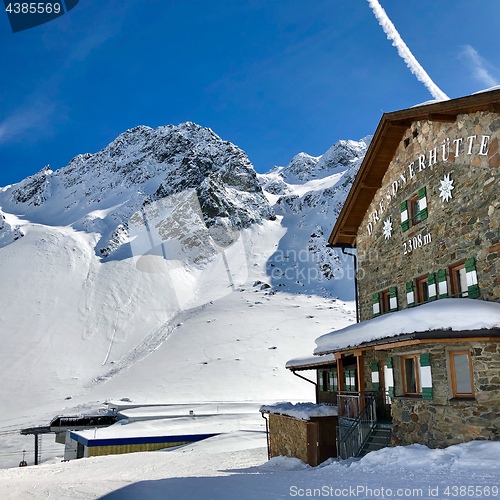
(465, 226)
(288, 437)
(312, 441)
(444, 421)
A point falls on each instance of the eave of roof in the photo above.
(389, 133)
(433, 336)
(310, 362)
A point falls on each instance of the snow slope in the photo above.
(145, 271)
(235, 466)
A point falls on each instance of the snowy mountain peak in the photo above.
(341, 154)
(100, 192)
(308, 194)
(304, 167)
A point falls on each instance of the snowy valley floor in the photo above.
(235, 466)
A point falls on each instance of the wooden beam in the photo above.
(340, 372)
(441, 117)
(405, 343)
(369, 187)
(361, 373)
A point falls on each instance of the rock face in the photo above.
(186, 185)
(100, 192)
(8, 232)
(342, 156)
(310, 192)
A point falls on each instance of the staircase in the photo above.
(380, 437)
(359, 431)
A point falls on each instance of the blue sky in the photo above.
(275, 77)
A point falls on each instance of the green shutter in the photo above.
(442, 283)
(431, 287)
(349, 375)
(470, 265)
(335, 381)
(393, 299)
(427, 393)
(374, 368)
(405, 219)
(375, 305)
(425, 359)
(410, 294)
(426, 376)
(320, 381)
(422, 204)
(390, 389)
(472, 286)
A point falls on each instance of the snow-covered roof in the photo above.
(309, 361)
(180, 426)
(444, 314)
(301, 411)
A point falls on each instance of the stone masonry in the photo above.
(465, 226)
(288, 437)
(444, 421)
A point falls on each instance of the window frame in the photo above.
(421, 296)
(385, 301)
(334, 376)
(455, 284)
(453, 378)
(416, 372)
(415, 216)
(323, 381)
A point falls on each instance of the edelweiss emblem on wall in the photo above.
(446, 188)
(387, 229)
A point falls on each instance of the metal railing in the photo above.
(357, 419)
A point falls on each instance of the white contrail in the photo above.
(481, 72)
(404, 51)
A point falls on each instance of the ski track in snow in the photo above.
(146, 347)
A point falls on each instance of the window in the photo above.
(350, 380)
(458, 279)
(414, 210)
(333, 381)
(463, 279)
(328, 380)
(411, 375)
(422, 289)
(323, 380)
(385, 299)
(415, 216)
(461, 374)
